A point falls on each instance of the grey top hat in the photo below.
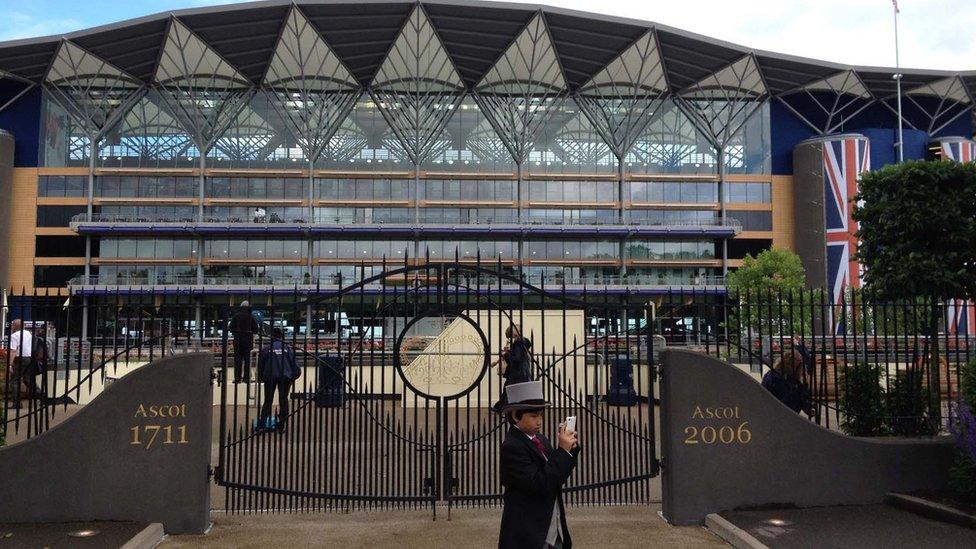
(524, 396)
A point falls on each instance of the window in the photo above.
(59, 246)
(55, 276)
(752, 193)
(739, 247)
(753, 220)
(62, 186)
(58, 216)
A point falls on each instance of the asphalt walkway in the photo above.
(598, 527)
(862, 526)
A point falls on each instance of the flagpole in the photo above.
(897, 77)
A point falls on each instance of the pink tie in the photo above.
(539, 446)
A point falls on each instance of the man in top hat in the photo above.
(533, 473)
(243, 326)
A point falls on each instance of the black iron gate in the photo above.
(394, 407)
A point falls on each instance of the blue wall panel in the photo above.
(883, 140)
(960, 127)
(786, 130)
(23, 119)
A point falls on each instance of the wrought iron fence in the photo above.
(366, 427)
(124, 328)
(869, 366)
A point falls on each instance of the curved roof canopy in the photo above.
(475, 34)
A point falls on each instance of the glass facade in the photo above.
(590, 178)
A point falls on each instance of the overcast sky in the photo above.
(934, 34)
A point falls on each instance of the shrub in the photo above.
(962, 476)
(967, 383)
(862, 401)
(907, 405)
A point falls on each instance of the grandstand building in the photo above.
(274, 146)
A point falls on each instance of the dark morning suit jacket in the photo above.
(532, 486)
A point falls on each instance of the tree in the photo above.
(917, 231)
(766, 287)
(772, 271)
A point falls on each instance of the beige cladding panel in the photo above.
(20, 230)
(784, 227)
(6, 182)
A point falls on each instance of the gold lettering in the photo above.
(698, 413)
(141, 411)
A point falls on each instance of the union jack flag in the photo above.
(961, 151)
(844, 161)
(961, 315)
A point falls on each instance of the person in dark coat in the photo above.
(533, 474)
(243, 326)
(516, 362)
(785, 382)
(277, 370)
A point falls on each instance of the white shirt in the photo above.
(21, 344)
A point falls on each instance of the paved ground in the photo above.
(603, 527)
(54, 535)
(863, 527)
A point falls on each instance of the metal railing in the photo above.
(432, 219)
(334, 281)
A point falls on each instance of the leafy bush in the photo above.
(967, 383)
(862, 401)
(907, 405)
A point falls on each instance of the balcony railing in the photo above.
(340, 281)
(431, 219)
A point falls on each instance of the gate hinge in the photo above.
(213, 473)
(216, 377)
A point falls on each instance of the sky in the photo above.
(933, 34)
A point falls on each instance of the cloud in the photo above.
(934, 34)
(22, 25)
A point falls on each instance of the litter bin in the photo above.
(331, 389)
(621, 391)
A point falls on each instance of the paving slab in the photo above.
(54, 535)
(861, 526)
(603, 527)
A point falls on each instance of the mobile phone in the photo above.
(571, 424)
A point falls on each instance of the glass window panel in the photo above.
(75, 186)
(276, 188)
(237, 249)
(293, 249)
(127, 247)
(164, 249)
(537, 191)
(182, 248)
(256, 250)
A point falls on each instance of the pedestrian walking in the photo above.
(243, 326)
(533, 474)
(514, 362)
(19, 367)
(277, 370)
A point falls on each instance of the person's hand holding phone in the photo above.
(566, 439)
